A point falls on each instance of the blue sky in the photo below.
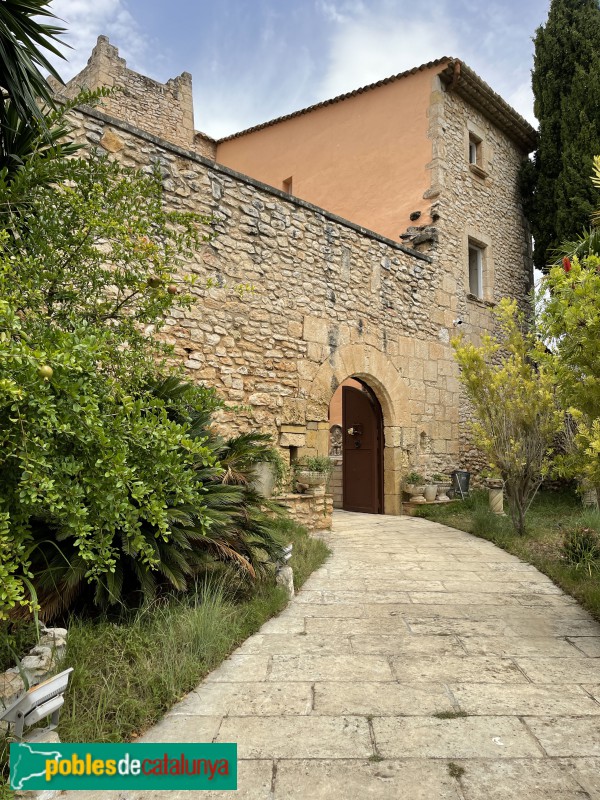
(252, 61)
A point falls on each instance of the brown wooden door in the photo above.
(362, 456)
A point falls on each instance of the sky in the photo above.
(255, 60)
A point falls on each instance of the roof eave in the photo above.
(461, 79)
(339, 98)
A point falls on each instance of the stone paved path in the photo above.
(415, 648)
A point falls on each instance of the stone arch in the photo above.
(379, 373)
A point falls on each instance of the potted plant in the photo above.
(270, 474)
(443, 487)
(415, 486)
(312, 473)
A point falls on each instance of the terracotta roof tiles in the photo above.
(454, 74)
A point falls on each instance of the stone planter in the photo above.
(263, 480)
(430, 492)
(315, 482)
(496, 495)
(442, 492)
(417, 493)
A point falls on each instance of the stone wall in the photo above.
(312, 511)
(41, 661)
(331, 300)
(336, 482)
(164, 109)
(480, 203)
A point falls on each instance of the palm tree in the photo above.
(31, 125)
(24, 36)
(230, 523)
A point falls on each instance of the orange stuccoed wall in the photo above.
(363, 158)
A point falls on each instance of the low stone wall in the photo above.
(312, 511)
(41, 661)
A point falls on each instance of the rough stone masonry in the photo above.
(330, 299)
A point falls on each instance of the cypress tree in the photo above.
(558, 193)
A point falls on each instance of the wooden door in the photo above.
(362, 452)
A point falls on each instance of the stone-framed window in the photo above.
(476, 150)
(478, 265)
(477, 259)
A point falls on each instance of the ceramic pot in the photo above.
(430, 492)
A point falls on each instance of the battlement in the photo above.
(163, 109)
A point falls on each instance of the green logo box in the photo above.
(169, 766)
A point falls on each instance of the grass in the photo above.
(551, 516)
(307, 554)
(15, 638)
(129, 672)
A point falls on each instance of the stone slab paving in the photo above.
(419, 662)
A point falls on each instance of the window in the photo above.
(287, 185)
(476, 257)
(474, 150)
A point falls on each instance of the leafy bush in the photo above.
(513, 394)
(223, 519)
(85, 463)
(91, 459)
(570, 320)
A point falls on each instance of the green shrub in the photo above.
(315, 464)
(224, 519)
(113, 488)
(581, 548)
(88, 454)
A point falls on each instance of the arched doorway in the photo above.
(375, 369)
(356, 422)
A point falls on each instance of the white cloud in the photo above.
(390, 36)
(367, 46)
(521, 99)
(86, 20)
(341, 11)
(224, 104)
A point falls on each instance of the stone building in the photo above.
(370, 226)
